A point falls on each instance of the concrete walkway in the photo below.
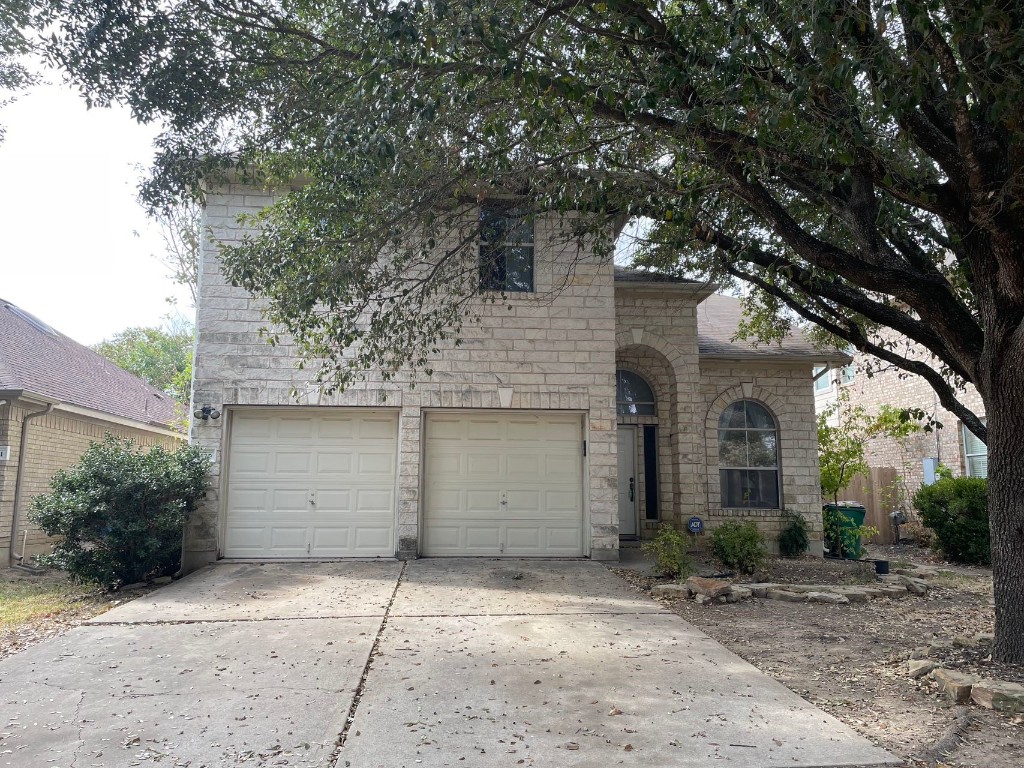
(471, 663)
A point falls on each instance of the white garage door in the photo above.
(311, 482)
(503, 484)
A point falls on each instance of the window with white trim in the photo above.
(748, 456)
(975, 454)
(823, 382)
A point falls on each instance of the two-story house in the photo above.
(580, 414)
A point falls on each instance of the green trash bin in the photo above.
(851, 516)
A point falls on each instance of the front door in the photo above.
(627, 481)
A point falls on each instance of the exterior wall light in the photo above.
(206, 412)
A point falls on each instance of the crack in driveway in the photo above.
(358, 695)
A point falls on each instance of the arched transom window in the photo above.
(633, 395)
(748, 456)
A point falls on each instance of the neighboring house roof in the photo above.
(718, 319)
(37, 360)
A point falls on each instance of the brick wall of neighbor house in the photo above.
(656, 336)
(786, 390)
(555, 350)
(7, 470)
(889, 388)
(56, 441)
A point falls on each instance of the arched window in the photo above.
(633, 395)
(748, 456)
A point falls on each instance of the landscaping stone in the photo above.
(737, 593)
(916, 586)
(828, 598)
(919, 653)
(673, 591)
(937, 646)
(701, 599)
(956, 685)
(984, 638)
(786, 596)
(163, 580)
(920, 667)
(999, 695)
(710, 587)
(892, 591)
(761, 589)
(853, 594)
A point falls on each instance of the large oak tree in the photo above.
(858, 162)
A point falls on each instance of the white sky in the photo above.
(67, 215)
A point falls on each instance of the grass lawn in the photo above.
(37, 607)
(24, 600)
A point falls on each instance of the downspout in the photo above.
(22, 453)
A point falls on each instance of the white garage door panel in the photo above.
(503, 484)
(311, 485)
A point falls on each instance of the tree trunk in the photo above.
(1005, 414)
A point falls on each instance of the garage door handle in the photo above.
(632, 487)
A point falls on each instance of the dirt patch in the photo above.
(37, 607)
(851, 660)
(813, 570)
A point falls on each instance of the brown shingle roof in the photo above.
(37, 359)
(718, 318)
(630, 275)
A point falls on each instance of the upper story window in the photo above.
(823, 383)
(506, 248)
(975, 454)
(748, 456)
(847, 374)
(633, 395)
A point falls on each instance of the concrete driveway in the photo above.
(473, 663)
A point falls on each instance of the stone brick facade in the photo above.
(889, 387)
(55, 441)
(555, 349)
(783, 389)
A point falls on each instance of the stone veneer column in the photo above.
(410, 424)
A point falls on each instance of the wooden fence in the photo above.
(871, 491)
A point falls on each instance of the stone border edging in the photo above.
(707, 591)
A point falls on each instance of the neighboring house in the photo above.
(57, 396)
(589, 413)
(951, 446)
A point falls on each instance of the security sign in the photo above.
(695, 525)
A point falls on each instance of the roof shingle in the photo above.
(718, 319)
(37, 359)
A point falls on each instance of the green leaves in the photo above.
(118, 514)
(818, 152)
(160, 356)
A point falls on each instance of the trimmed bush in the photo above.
(670, 549)
(739, 545)
(793, 540)
(119, 514)
(956, 509)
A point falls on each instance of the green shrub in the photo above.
(956, 509)
(670, 550)
(119, 513)
(793, 540)
(739, 545)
